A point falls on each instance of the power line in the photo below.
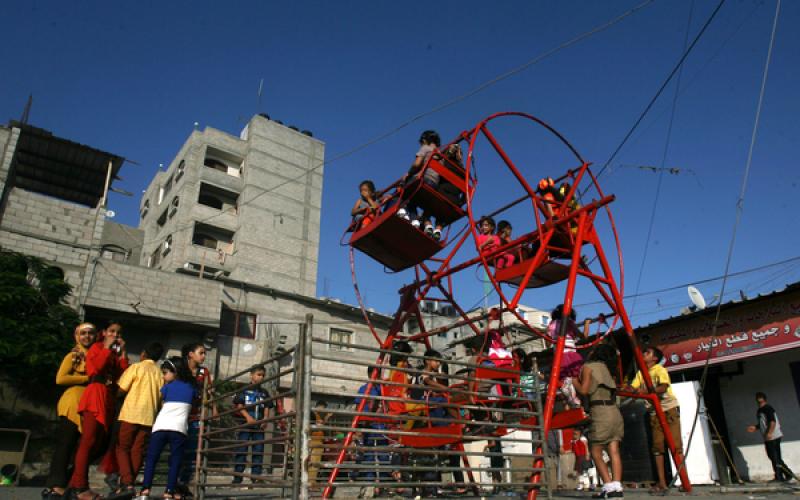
(698, 282)
(652, 222)
(483, 86)
(737, 221)
(661, 89)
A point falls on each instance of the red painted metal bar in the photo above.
(559, 347)
(637, 353)
(408, 301)
(524, 239)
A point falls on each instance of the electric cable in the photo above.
(483, 86)
(651, 224)
(661, 89)
(739, 210)
(699, 282)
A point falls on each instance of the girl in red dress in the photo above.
(105, 362)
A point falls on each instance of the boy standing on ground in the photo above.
(770, 427)
(142, 381)
(669, 403)
(252, 405)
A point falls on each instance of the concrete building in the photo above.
(756, 349)
(247, 206)
(226, 249)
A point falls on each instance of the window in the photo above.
(214, 197)
(173, 206)
(216, 165)
(223, 161)
(341, 336)
(167, 245)
(155, 257)
(237, 323)
(213, 237)
(180, 170)
(162, 219)
(114, 252)
(145, 209)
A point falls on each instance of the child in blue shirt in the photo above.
(171, 424)
(252, 405)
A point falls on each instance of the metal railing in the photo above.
(347, 423)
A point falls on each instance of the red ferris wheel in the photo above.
(564, 219)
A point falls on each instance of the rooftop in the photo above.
(58, 167)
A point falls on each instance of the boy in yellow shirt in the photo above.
(142, 381)
(669, 403)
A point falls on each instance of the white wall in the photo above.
(769, 374)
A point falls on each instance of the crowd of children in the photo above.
(157, 408)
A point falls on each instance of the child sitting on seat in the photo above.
(487, 240)
(548, 192)
(453, 160)
(366, 207)
(509, 258)
(429, 141)
(432, 389)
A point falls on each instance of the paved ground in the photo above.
(752, 492)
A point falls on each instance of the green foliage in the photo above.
(36, 325)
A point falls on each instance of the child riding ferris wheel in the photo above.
(412, 223)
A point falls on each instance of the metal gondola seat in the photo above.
(394, 242)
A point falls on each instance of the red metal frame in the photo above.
(576, 226)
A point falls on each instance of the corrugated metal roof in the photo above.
(61, 168)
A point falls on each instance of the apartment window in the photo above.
(145, 209)
(214, 197)
(341, 336)
(155, 257)
(223, 161)
(162, 219)
(114, 252)
(167, 245)
(180, 170)
(173, 206)
(237, 323)
(213, 237)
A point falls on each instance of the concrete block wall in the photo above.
(116, 286)
(51, 218)
(276, 239)
(8, 145)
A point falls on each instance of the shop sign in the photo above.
(739, 335)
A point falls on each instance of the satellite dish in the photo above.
(110, 213)
(696, 297)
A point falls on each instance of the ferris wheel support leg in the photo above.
(406, 304)
(677, 455)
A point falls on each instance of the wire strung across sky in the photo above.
(451, 102)
(661, 89)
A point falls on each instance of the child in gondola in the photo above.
(366, 207)
(487, 240)
(509, 258)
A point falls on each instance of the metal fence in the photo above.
(359, 421)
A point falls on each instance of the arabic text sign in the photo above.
(725, 347)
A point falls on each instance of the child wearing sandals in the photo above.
(171, 424)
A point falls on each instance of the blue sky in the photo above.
(133, 78)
